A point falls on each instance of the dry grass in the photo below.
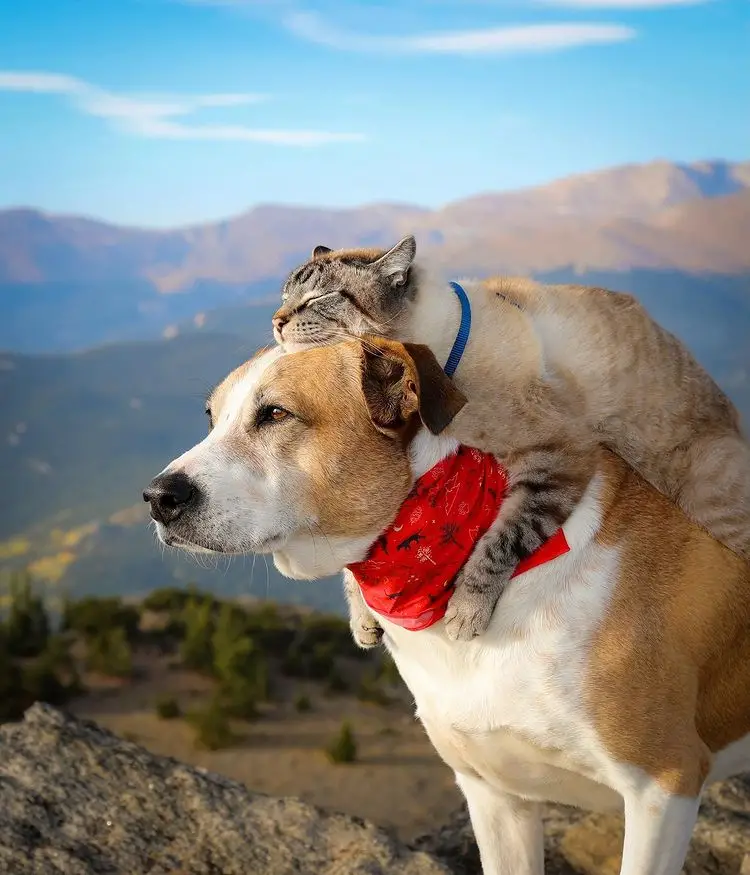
(398, 780)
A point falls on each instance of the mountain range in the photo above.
(113, 335)
(68, 282)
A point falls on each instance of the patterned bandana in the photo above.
(410, 571)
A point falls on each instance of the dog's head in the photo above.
(307, 456)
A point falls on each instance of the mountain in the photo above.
(114, 335)
(81, 434)
(634, 191)
(68, 282)
(260, 244)
(69, 315)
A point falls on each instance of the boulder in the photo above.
(77, 800)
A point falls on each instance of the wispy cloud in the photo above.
(620, 4)
(485, 41)
(160, 116)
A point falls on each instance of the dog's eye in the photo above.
(271, 414)
(210, 418)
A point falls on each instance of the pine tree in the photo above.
(238, 664)
(27, 626)
(212, 728)
(110, 653)
(12, 701)
(196, 649)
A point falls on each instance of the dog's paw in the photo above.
(366, 632)
(470, 609)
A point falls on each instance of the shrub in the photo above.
(58, 655)
(27, 626)
(168, 708)
(240, 702)
(321, 661)
(42, 683)
(212, 729)
(326, 629)
(388, 673)
(369, 690)
(232, 648)
(196, 649)
(92, 617)
(336, 683)
(171, 599)
(343, 748)
(302, 703)
(292, 664)
(238, 664)
(12, 698)
(265, 617)
(110, 653)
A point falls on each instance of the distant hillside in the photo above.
(634, 191)
(82, 434)
(68, 282)
(73, 315)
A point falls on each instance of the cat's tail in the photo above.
(716, 490)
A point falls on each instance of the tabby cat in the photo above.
(549, 371)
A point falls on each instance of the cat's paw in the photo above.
(366, 631)
(471, 606)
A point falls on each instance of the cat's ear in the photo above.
(395, 264)
(320, 250)
(402, 380)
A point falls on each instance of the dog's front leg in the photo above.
(508, 829)
(366, 630)
(658, 827)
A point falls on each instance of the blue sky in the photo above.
(167, 112)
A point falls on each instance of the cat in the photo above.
(550, 371)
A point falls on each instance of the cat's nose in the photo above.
(278, 325)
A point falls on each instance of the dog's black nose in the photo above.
(169, 495)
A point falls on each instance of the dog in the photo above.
(613, 676)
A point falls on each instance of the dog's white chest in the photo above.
(509, 706)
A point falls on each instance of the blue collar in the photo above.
(464, 329)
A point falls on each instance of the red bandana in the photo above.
(409, 573)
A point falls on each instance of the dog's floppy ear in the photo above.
(439, 399)
(401, 380)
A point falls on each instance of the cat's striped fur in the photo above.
(549, 371)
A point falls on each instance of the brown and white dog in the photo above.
(615, 676)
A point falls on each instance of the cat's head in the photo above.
(346, 292)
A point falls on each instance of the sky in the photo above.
(172, 112)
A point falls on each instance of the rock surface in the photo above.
(580, 843)
(77, 800)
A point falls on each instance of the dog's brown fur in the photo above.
(678, 624)
(668, 683)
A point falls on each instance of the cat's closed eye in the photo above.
(319, 298)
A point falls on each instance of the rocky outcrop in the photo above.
(77, 800)
(579, 843)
